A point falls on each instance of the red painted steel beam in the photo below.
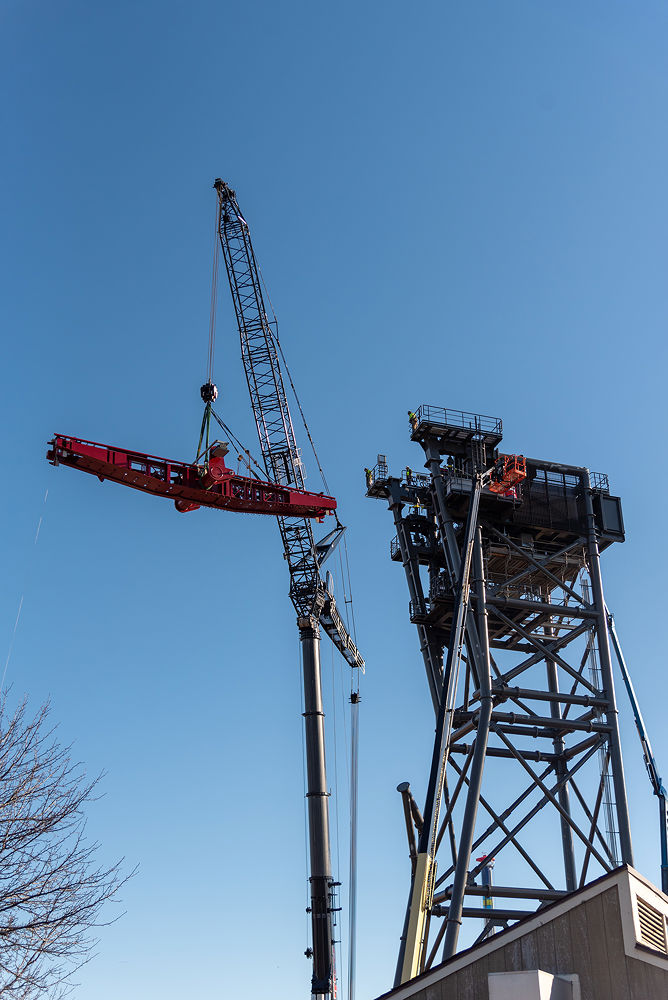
(189, 486)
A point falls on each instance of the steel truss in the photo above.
(527, 759)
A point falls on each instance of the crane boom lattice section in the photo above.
(267, 391)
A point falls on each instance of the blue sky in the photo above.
(461, 204)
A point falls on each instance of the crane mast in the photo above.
(313, 602)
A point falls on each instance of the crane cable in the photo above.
(208, 391)
(239, 445)
(303, 416)
(214, 297)
(273, 333)
(353, 775)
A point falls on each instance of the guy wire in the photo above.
(214, 297)
(274, 333)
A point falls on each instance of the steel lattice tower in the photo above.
(507, 597)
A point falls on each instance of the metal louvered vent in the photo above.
(652, 926)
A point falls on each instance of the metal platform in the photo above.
(455, 429)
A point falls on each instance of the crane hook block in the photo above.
(189, 486)
(209, 392)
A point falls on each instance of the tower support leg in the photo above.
(433, 658)
(454, 918)
(451, 552)
(605, 659)
(425, 868)
(318, 809)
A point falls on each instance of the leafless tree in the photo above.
(52, 889)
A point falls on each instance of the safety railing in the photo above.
(459, 418)
(549, 477)
(440, 587)
(415, 478)
(599, 482)
(418, 609)
(379, 474)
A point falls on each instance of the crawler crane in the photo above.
(279, 491)
(313, 602)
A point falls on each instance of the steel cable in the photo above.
(239, 445)
(274, 334)
(214, 298)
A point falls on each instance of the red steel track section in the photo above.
(189, 486)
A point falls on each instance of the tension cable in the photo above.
(239, 445)
(274, 334)
(214, 298)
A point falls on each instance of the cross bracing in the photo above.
(265, 384)
(506, 595)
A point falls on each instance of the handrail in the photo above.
(459, 418)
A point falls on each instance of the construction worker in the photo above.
(369, 478)
(413, 420)
(409, 475)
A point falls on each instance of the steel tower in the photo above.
(502, 561)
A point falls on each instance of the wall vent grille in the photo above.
(652, 926)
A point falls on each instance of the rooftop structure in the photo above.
(604, 941)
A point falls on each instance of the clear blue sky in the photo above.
(456, 203)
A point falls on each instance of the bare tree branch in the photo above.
(51, 890)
